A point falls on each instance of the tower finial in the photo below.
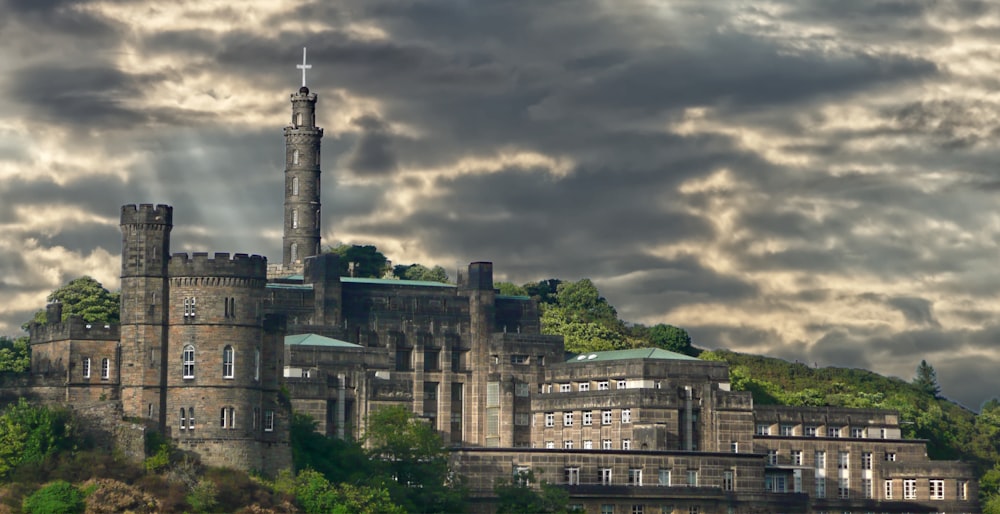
(304, 66)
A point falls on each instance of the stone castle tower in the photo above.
(302, 187)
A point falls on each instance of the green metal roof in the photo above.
(317, 340)
(638, 353)
(393, 282)
(278, 285)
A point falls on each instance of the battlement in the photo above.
(199, 264)
(73, 328)
(148, 214)
(303, 95)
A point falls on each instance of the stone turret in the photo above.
(302, 181)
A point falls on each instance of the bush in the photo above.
(59, 497)
(158, 461)
(203, 496)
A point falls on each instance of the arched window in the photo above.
(295, 219)
(295, 156)
(256, 364)
(295, 252)
(190, 418)
(227, 362)
(295, 186)
(183, 419)
(298, 119)
(188, 361)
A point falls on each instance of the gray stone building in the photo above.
(205, 344)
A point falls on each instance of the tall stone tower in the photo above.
(145, 290)
(302, 201)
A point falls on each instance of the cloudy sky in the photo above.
(807, 179)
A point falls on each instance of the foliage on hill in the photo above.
(84, 297)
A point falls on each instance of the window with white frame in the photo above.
(866, 488)
(568, 444)
(190, 418)
(550, 419)
(626, 415)
(550, 445)
(664, 477)
(638, 508)
(105, 368)
(588, 444)
(797, 457)
(820, 459)
(522, 475)
(565, 388)
(963, 490)
(86, 367)
(183, 419)
(583, 386)
(692, 478)
(821, 487)
(635, 477)
(602, 385)
(269, 421)
(887, 490)
(295, 156)
(573, 476)
(763, 429)
(190, 305)
(843, 460)
(567, 419)
(227, 362)
(588, 418)
(734, 447)
(787, 430)
(522, 419)
(772, 457)
(521, 389)
(890, 456)
(866, 460)
(622, 384)
(187, 361)
(227, 417)
(626, 444)
(843, 487)
(606, 444)
(833, 431)
(606, 417)
(858, 432)
(727, 480)
(910, 489)
(605, 475)
(809, 431)
(295, 186)
(937, 489)
(295, 218)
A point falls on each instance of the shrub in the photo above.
(59, 497)
(202, 497)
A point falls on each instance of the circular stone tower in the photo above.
(302, 200)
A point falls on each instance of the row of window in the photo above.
(587, 418)
(295, 220)
(634, 477)
(227, 419)
(600, 385)
(588, 444)
(813, 431)
(819, 458)
(228, 362)
(935, 489)
(105, 368)
(191, 307)
(638, 508)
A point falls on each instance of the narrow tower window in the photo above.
(105, 368)
(295, 219)
(295, 252)
(187, 359)
(183, 419)
(295, 156)
(86, 367)
(256, 364)
(298, 119)
(227, 362)
(295, 186)
(269, 421)
(190, 418)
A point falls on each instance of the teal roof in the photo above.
(393, 282)
(279, 285)
(638, 353)
(317, 340)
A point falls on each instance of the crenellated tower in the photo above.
(145, 255)
(302, 187)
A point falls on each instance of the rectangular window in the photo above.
(910, 489)
(821, 487)
(664, 477)
(809, 431)
(606, 444)
(550, 445)
(493, 394)
(866, 460)
(588, 444)
(888, 490)
(568, 444)
(866, 488)
(607, 508)
(937, 489)
(844, 488)
(605, 476)
(797, 457)
(269, 421)
(622, 384)
(890, 456)
(626, 444)
(518, 359)
(637, 508)
(256, 418)
(787, 430)
(183, 419)
(227, 362)
(521, 474)
(692, 478)
(191, 418)
(567, 419)
(190, 304)
(963, 490)
(522, 419)
(763, 429)
(734, 447)
(550, 419)
(565, 388)
(857, 432)
(626, 415)
(456, 362)
(635, 477)
(584, 386)
(588, 418)
(86, 367)
(820, 460)
(404, 359)
(105, 369)
(188, 361)
(573, 476)
(843, 460)
(606, 417)
(432, 360)
(521, 389)
(727, 480)
(602, 385)
(772, 457)
(832, 432)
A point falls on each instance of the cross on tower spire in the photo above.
(304, 66)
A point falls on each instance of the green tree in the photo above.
(368, 261)
(584, 318)
(30, 433)
(317, 495)
(59, 497)
(510, 289)
(87, 298)
(926, 379)
(671, 338)
(338, 460)
(518, 496)
(420, 272)
(413, 457)
(543, 291)
(15, 355)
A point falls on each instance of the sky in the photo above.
(805, 179)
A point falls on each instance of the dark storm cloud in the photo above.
(373, 153)
(58, 18)
(915, 310)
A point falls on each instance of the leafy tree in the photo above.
(671, 338)
(30, 433)
(203, 496)
(510, 289)
(368, 261)
(87, 298)
(15, 355)
(317, 495)
(926, 379)
(543, 291)
(584, 318)
(519, 497)
(586, 303)
(59, 497)
(338, 460)
(420, 272)
(414, 458)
